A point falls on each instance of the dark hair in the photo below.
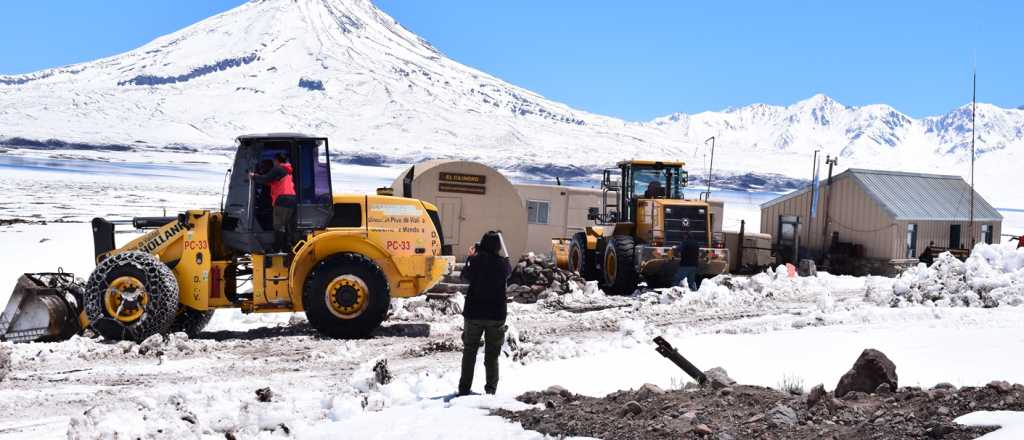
(490, 243)
(280, 157)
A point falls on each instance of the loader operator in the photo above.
(282, 198)
(487, 273)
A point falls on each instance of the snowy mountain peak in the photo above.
(818, 100)
(346, 70)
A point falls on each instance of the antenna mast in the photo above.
(974, 111)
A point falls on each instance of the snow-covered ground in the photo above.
(762, 329)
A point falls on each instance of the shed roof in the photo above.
(915, 196)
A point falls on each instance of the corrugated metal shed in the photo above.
(914, 196)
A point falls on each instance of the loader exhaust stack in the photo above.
(44, 307)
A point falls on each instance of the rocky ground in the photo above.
(752, 412)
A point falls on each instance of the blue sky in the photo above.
(635, 60)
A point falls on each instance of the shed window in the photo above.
(986, 234)
(537, 212)
(912, 240)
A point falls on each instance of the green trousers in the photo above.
(493, 333)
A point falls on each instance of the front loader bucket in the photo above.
(44, 307)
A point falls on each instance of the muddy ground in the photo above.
(751, 412)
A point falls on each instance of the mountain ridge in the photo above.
(346, 70)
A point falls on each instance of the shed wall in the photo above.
(938, 232)
(567, 213)
(854, 215)
(466, 217)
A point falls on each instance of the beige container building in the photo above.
(555, 212)
(893, 215)
(472, 198)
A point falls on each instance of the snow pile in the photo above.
(159, 345)
(188, 415)
(285, 411)
(419, 309)
(727, 292)
(92, 349)
(5, 360)
(630, 333)
(73, 349)
(235, 320)
(992, 276)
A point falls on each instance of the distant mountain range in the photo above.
(855, 132)
(345, 69)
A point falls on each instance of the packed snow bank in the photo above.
(730, 292)
(294, 409)
(1012, 423)
(992, 276)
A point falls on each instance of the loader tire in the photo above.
(191, 322)
(620, 276)
(128, 272)
(581, 261)
(347, 296)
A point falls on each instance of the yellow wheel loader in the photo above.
(350, 254)
(641, 234)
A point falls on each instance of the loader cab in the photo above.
(646, 180)
(248, 212)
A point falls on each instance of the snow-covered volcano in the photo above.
(340, 68)
(344, 69)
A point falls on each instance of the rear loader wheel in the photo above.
(131, 296)
(346, 296)
(620, 276)
(581, 260)
(191, 321)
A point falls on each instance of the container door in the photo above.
(451, 218)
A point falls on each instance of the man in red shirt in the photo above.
(282, 197)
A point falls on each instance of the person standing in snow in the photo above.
(689, 253)
(487, 273)
(282, 197)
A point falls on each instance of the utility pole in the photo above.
(974, 112)
(831, 162)
(814, 197)
(711, 166)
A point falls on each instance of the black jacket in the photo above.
(689, 253)
(273, 175)
(487, 275)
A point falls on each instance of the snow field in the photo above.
(761, 329)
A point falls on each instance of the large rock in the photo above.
(870, 370)
(782, 416)
(815, 395)
(718, 378)
(648, 391)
